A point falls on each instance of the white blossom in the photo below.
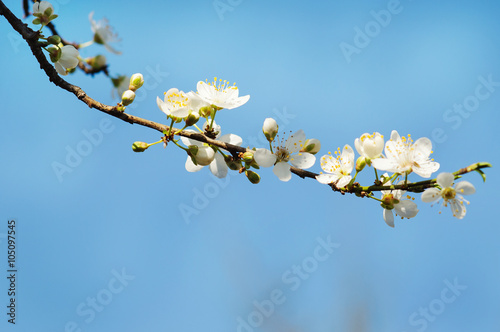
(287, 151)
(338, 169)
(450, 195)
(404, 156)
(221, 94)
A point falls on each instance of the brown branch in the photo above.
(81, 65)
(31, 38)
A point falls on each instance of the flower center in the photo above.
(282, 154)
(221, 85)
(448, 193)
(177, 99)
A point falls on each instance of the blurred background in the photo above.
(123, 241)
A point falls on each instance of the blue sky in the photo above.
(112, 228)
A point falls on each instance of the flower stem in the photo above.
(86, 44)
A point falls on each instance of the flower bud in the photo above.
(55, 53)
(193, 150)
(370, 146)
(311, 145)
(360, 163)
(97, 62)
(205, 111)
(232, 164)
(44, 13)
(202, 156)
(388, 202)
(139, 146)
(128, 97)
(54, 40)
(270, 129)
(136, 81)
(247, 157)
(252, 177)
(192, 118)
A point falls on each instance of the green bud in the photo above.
(97, 62)
(360, 163)
(139, 146)
(136, 81)
(205, 111)
(232, 164)
(193, 150)
(388, 201)
(55, 53)
(54, 40)
(252, 177)
(128, 97)
(247, 157)
(192, 118)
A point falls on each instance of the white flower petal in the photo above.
(329, 164)
(347, 159)
(303, 160)
(431, 195)
(60, 69)
(187, 141)
(180, 112)
(445, 180)
(231, 139)
(426, 168)
(388, 217)
(406, 209)
(395, 136)
(465, 188)
(282, 171)
(218, 166)
(423, 147)
(264, 157)
(327, 178)
(343, 181)
(359, 146)
(457, 208)
(384, 164)
(238, 102)
(191, 167)
(295, 142)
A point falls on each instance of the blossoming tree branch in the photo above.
(394, 161)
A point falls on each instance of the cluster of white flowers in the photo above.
(67, 57)
(205, 102)
(399, 155)
(402, 157)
